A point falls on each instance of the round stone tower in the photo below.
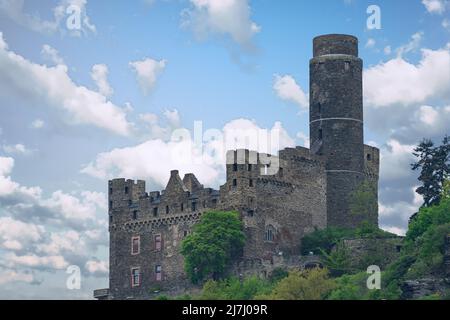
(336, 121)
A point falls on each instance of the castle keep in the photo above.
(308, 189)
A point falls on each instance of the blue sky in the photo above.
(79, 106)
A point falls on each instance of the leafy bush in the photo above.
(215, 241)
(311, 284)
(234, 289)
(324, 240)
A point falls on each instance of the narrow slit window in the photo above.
(320, 134)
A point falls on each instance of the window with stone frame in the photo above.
(158, 242)
(158, 273)
(135, 277)
(155, 211)
(270, 233)
(135, 245)
(135, 214)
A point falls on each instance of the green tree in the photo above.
(215, 241)
(313, 284)
(434, 165)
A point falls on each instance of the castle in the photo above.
(278, 204)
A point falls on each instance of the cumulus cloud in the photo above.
(37, 124)
(97, 267)
(230, 18)
(398, 81)
(51, 54)
(16, 149)
(53, 86)
(287, 89)
(99, 74)
(204, 155)
(155, 130)
(370, 43)
(147, 72)
(28, 223)
(15, 10)
(435, 6)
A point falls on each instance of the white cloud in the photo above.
(304, 138)
(154, 159)
(446, 24)
(387, 50)
(17, 235)
(147, 72)
(37, 124)
(53, 86)
(9, 187)
(99, 74)
(154, 130)
(395, 160)
(400, 82)
(287, 89)
(97, 267)
(223, 18)
(16, 149)
(370, 43)
(435, 6)
(412, 45)
(51, 54)
(14, 9)
(34, 261)
(7, 276)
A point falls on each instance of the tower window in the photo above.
(214, 202)
(249, 167)
(158, 273)
(280, 172)
(155, 211)
(182, 207)
(158, 242)
(320, 134)
(270, 233)
(369, 157)
(135, 245)
(135, 277)
(167, 209)
(234, 182)
(110, 219)
(110, 190)
(235, 167)
(110, 204)
(250, 183)
(250, 213)
(194, 206)
(135, 214)
(126, 190)
(347, 65)
(185, 233)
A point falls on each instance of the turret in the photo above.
(336, 121)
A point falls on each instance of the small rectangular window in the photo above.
(234, 182)
(110, 204)
(155, 211)
(135, 245)
(158, 273)
(110, 219)
(158, 242)
(130, 203)
(235, 167)
(126, 190)
(167, 209)
(182, 207)
(194, 206)
(250, 183)
(249, 167)
(320, 134)
(110, 190)
(135, 214)
(135, 277)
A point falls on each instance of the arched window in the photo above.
(270, 233)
